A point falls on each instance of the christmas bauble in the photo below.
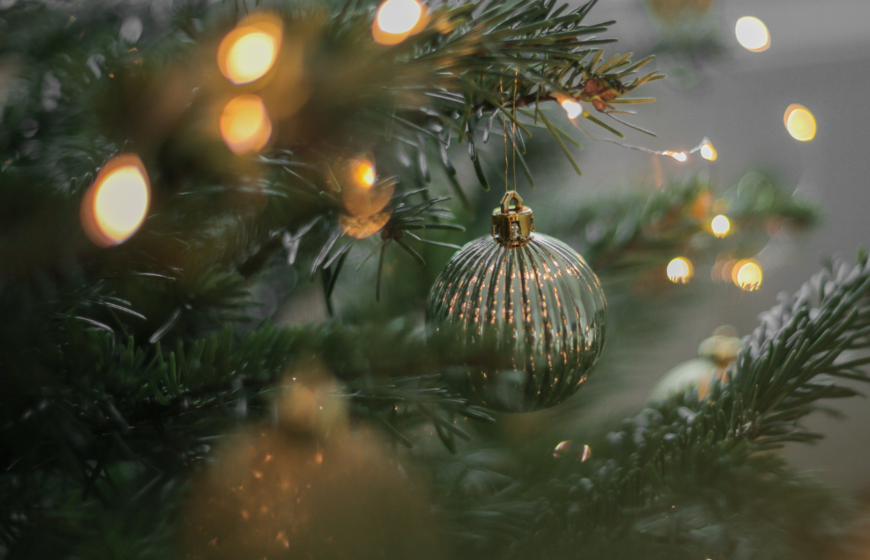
(715, 354)
(306, 486)
(529, 298)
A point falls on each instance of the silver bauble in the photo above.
(528, 298)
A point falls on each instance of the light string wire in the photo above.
(679, 156)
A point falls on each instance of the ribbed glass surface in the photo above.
(539, 305)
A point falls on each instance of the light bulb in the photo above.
(249, 51)
(720, 225)
(708, 152)
(752, 34)
(800, 123)
(747, 274)
(245, 124)
(117, 202)
(680, 270)
(573, 108)
(679, 156)
(364, 173)
(362, 227)
(398, 16)
(396, 20)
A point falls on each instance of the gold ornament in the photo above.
(306, 487)
(530, 298)
(715, 354)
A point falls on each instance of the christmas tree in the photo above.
(257, 302)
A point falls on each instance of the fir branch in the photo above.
(676, 455)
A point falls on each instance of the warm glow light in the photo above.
(362, 227)
(708, 152)
(680, 270)
(245, 124)
(249, 51)
(748, 275)
(398, 16)
(679, 156)
(720, 225)
(397, 20)
(117, 202)
(752, 34)
(573, 108)
(800, 123)
(363, 201)
(364, 173)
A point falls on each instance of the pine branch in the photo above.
(633, 232)
(660, 466)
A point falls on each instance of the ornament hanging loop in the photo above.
(512, 224)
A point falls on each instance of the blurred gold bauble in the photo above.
(528, 299)
(715, 354)
(278, 495)
(306, 488)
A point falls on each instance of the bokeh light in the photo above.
(245, 124)
(396, 20)
(682, 157)
(363, 201)
(752, 34)
(680, 270)
(747, 274)
(708, 151)
(398, 16)
(117, 202)
(720, 225)
(249, 51)
(362, 227)
(573, 108)
(800, 123)
(364, 173)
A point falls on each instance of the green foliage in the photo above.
(671, 479)
(624, 235)
(123, 366)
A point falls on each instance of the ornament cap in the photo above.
(512, 224)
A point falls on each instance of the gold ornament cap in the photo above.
(512, 224)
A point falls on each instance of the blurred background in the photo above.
(818, 56)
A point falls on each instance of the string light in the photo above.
(116, 203)
(362, 227)
(707, 150)
(396, 20)
(747, 274)
(245, 124)
(720, 225)
(680, 270)
(573, 108)
(752, 34)
(249, 51)
(800, 123)
(364, 173)
(362, 201)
